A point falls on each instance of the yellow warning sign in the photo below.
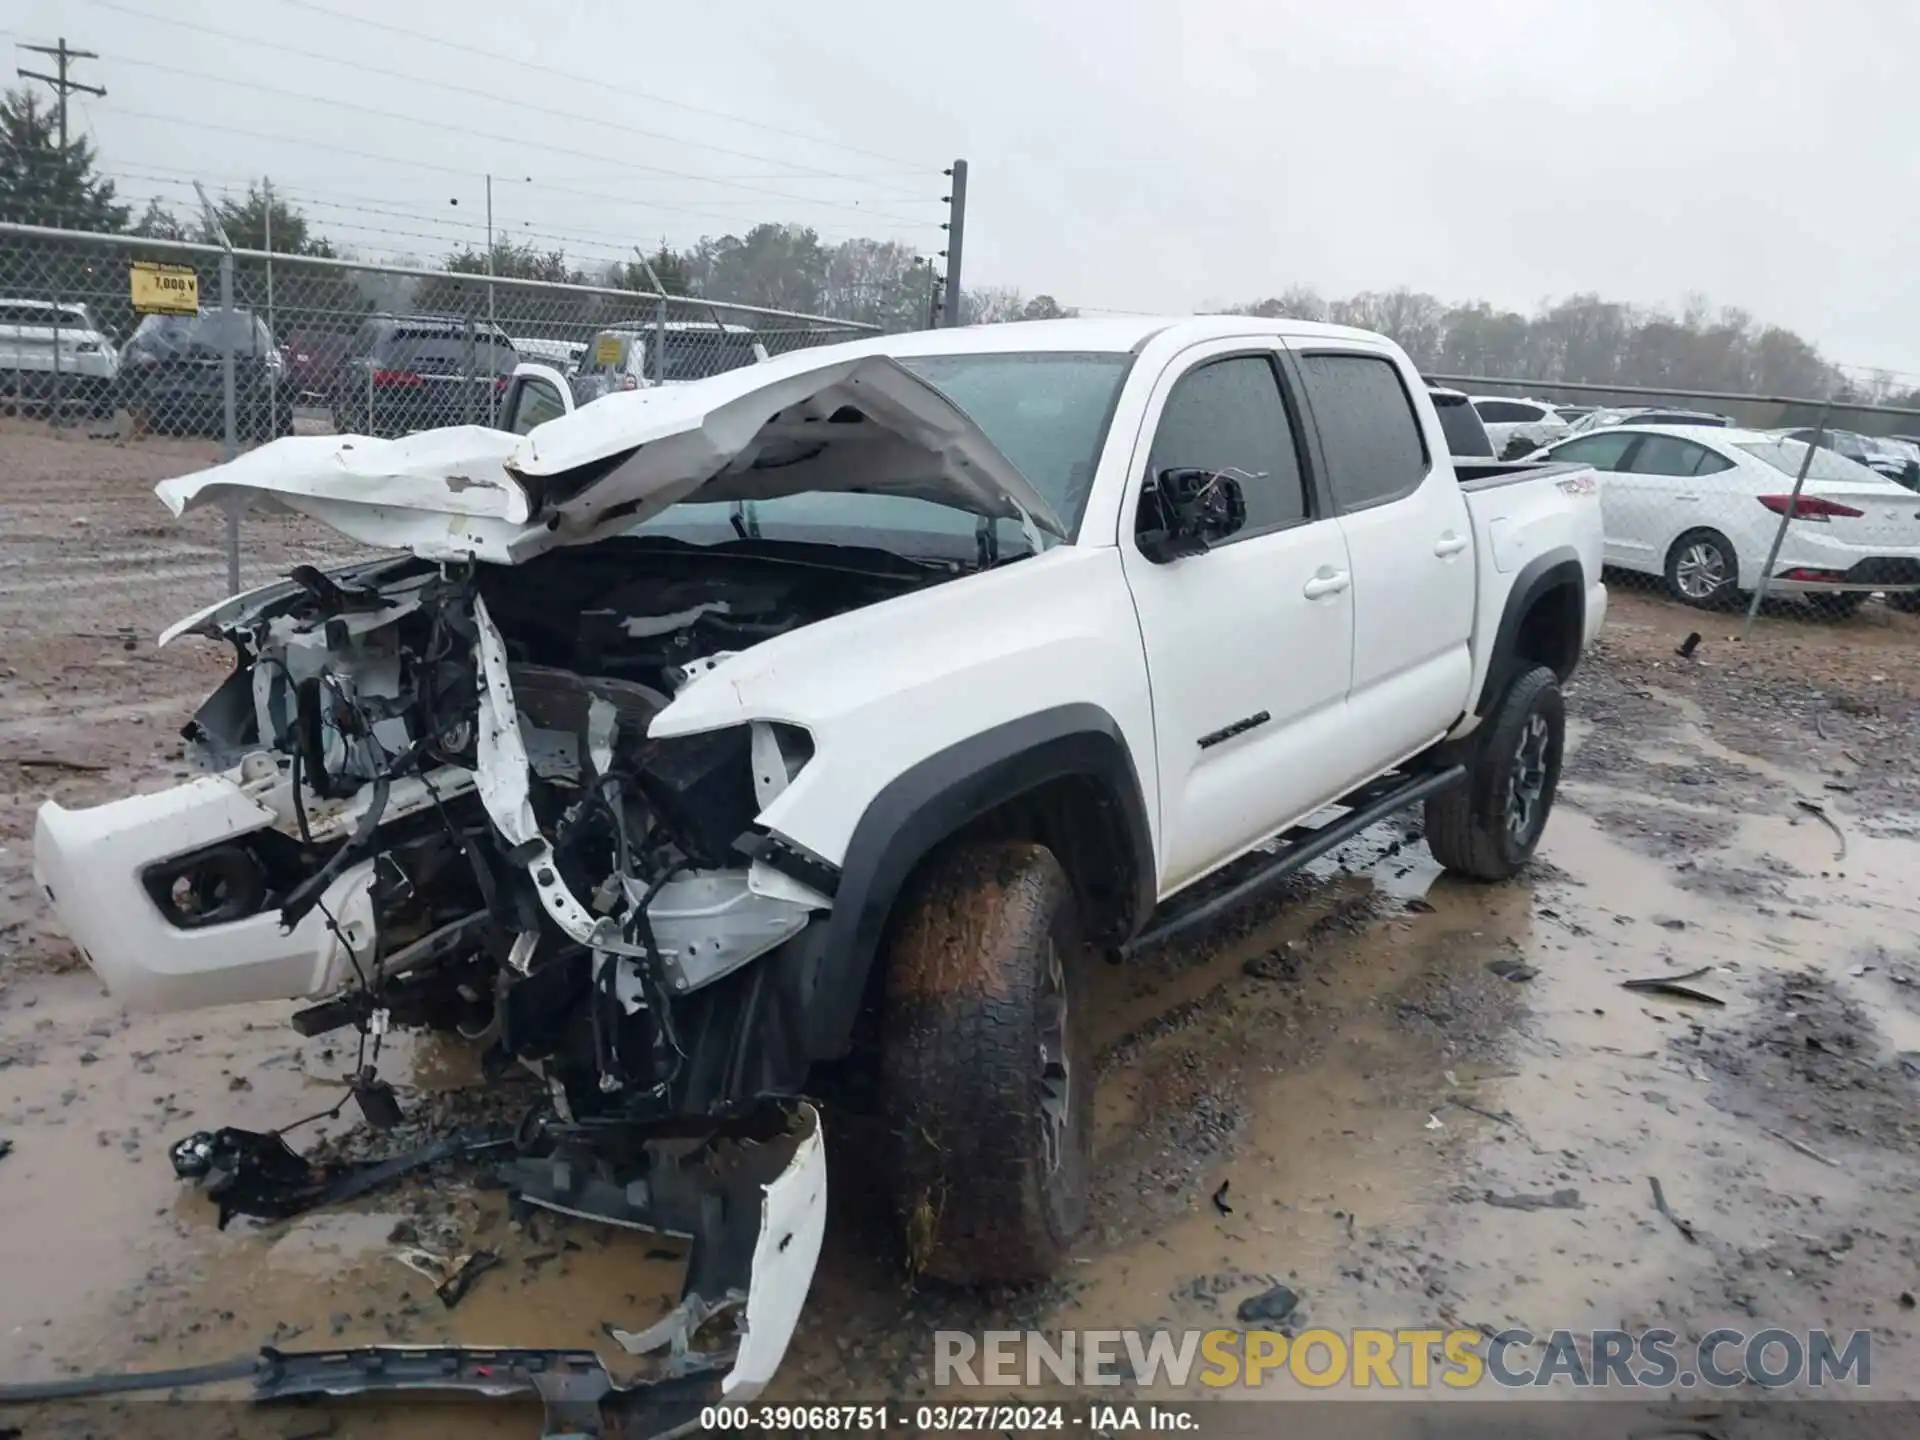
(167, 289)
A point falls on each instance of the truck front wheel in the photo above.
(986, 1068)
(1487, 827)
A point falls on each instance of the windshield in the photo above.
(1786, 455)
(1046, 411)
(209, 330)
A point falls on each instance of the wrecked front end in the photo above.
(430, 798)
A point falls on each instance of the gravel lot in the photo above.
(1341, 1058)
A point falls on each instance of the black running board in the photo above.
(1301, 846)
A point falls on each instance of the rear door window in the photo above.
(1667, 455)
(1369, 430)
(1603, 451)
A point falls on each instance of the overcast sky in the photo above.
(1125, 154)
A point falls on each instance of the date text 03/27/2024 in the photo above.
(1094, 1419)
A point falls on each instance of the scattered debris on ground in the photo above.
(1678, 986)
(1568, 1199)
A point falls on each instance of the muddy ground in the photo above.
(1349, 1060)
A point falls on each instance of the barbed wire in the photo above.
(622, 88)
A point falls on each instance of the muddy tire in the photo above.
(1703, 570)
(1907, 602)
(1487, 828)
(986, 1069)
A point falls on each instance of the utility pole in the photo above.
(62, 86)
(952, 312)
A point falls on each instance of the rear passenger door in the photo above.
(1410, 541)
(1249, 643)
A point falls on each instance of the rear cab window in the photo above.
(1370, 434)
(1466, 436)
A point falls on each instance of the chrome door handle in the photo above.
(1449, 544)
(1331, 583)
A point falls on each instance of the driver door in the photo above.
(1249, 643)
(535, 395)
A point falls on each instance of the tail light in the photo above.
(499, 383)
(1800, 572)
(396, 378)
(1810, 507)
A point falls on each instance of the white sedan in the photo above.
(1700, 506)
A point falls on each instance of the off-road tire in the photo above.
(1907, 602)
(1470, 828)
(1721, 595)
(987, 1191)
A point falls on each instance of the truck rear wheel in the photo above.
(1487, 828)
(986, 1068)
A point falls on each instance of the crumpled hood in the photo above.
(808, 422)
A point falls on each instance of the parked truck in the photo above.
(877, 695)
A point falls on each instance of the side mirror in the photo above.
(1187, 511)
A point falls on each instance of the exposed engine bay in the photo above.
(546, 879)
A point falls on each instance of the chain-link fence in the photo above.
(1751, 505)
(161, 333)
(119, 337)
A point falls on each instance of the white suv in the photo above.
(52, 351)
(1531, 420)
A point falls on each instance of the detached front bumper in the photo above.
(95, 867)
(758, 1220)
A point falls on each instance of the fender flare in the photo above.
(1550, 570)
(932, 800)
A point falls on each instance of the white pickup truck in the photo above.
(876, 692)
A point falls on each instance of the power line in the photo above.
(600, 244)
(622, 89)
(414, 161)
(361, 67)
(468, 132)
